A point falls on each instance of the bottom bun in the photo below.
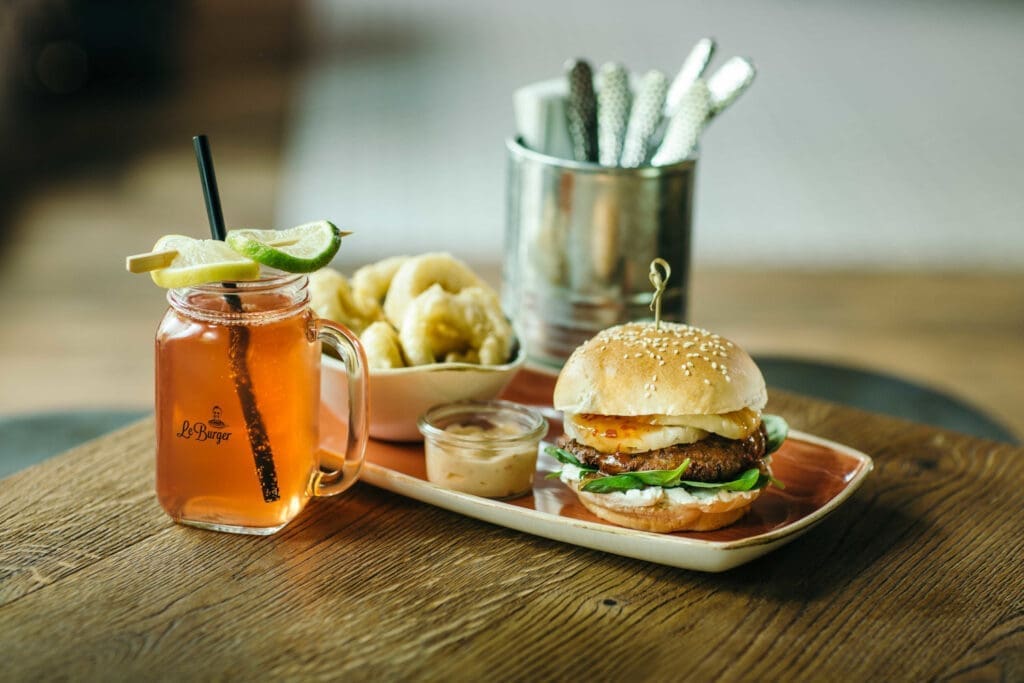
(667, 516)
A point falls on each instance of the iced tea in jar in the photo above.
(237, 405)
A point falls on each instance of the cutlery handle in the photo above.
(693, 68)
(685, 126)
(613, 102)
(581, 111)
(644, 119)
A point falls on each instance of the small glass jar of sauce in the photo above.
(486, 448)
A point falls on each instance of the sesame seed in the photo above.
(707, 381)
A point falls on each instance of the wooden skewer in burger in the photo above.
(663, 425)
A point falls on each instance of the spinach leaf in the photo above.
(750, 480)
(664, 478)
(616, 482)
(745, 482)
(777, 429)
(566, 458)
(636, 480)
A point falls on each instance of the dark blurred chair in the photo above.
(65, 64)
(880, 393)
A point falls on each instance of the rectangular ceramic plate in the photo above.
(819, 476)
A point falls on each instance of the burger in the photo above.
(663, 428)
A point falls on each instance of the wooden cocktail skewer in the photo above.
(155, 260)
(151, 260)
(659, 275)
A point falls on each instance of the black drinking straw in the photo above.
(238, 337)
(209, 180)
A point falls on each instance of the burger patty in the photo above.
(712, 459)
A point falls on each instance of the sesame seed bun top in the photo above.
(636, 369)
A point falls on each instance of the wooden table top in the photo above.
(919, 575)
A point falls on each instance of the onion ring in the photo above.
(418, 274)
(440, 326)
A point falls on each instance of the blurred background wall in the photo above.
(877, 133)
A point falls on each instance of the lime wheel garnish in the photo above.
(301, 249)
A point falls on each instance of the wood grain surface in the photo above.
(919, 576)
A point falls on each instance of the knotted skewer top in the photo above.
(659, 275)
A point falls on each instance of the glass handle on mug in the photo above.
(336, 477)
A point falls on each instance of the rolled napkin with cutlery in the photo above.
(581, 111)
(605, 121)
(644, 119)
(614, 100)
(691, 113)
(694, 66)
(729, 82)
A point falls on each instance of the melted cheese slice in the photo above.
(634, 434)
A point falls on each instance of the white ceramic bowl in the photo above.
(399, 396)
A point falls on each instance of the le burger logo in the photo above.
(213, 429)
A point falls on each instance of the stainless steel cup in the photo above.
(579, 240)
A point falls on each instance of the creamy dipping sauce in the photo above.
(487, 450)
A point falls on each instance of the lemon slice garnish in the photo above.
(199, 261)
